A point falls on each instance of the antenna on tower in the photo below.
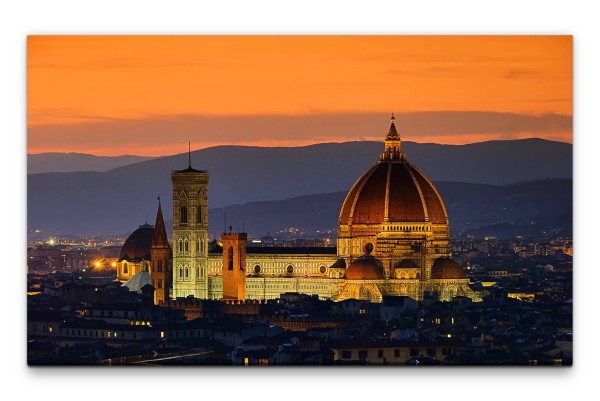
(189, 155)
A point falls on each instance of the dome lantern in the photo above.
(393, 144)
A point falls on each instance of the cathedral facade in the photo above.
(393, 239)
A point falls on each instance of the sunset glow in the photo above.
(150, 95)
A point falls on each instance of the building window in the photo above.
(183, 215)
(125, 268)
(159, 266)
(186, 246)
(230, 258)
(199, 215)
(397, 353)
(380, 353)
(414, 352)
(362, 354)
(257, 269)
(346, 354)
(159, 283)
(290, 269)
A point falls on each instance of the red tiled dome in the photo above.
(394, 189)
(365, 267)
(446, 268)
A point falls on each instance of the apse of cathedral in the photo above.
(393, 239)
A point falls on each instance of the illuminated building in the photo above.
(393, 239)
(147, 250)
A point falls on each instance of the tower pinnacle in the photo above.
(393, 144)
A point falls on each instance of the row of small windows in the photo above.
(289, 269)
(184, 272)
(184, 246)
(406, 228)
(184, 214)
(363, 353)
(288, 286)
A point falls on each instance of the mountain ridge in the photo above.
(118, 199)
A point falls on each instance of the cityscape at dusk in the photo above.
(300, 200)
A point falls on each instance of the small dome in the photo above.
(446, 268)
(366, 267)
(406, 264)
(137, 246)
(139, 281)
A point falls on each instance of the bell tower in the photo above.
(234, 265)
(190, 232)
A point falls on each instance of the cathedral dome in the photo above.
(446, 268)
(365, 267)
(137, 246)
(393, 190)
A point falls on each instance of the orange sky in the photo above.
(150, 95)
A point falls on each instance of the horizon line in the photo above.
(283, 145)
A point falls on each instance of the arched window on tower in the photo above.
(125, 268)
(199, 215)
(230, 258)
(183, 215)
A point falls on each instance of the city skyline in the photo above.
(151, 95)
(379, 296)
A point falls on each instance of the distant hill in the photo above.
(517, 209)
(69, 162)
(120, 199)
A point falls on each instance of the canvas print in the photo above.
(299, 200)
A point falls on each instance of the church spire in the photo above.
(160, 233)
(393, 144)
